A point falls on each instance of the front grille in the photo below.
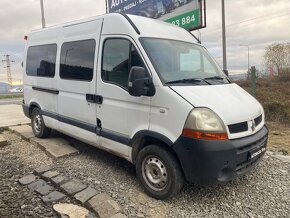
(258, 120)
(238, 127)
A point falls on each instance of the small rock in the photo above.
(238, 203)
(53, 196)
(27, 179)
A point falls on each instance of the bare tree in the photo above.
(277, 56)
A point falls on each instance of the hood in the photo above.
(232, 103)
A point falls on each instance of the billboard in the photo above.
(189, 14)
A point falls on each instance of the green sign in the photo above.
(186, 20)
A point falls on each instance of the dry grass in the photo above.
(11, 96)
(274, 95)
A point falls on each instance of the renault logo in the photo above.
(253, 125)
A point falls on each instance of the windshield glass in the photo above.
(182, 62)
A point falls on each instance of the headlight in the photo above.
(203, 123)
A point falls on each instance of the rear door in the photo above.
(120, 115)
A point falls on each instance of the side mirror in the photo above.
(140, 83)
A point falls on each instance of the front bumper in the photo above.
(211, 162)
(26, 110)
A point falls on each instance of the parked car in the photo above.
(144, 90)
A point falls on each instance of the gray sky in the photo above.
(257, 23)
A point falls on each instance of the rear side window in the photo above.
(77, 60)
(119, 56)
(41, 60)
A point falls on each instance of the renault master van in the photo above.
(144, 90)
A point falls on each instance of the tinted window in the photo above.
(118, 57)
(77, 60)
(41, 61)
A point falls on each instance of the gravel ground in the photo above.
(263, 193)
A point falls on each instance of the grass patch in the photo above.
(11, 96)
(3, 129)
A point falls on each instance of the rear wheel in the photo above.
(38, 126)
(159, 172)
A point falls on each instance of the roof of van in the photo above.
(132, 25)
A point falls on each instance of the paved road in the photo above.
(11, 115)
(11, 101)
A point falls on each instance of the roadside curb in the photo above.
(44, 182)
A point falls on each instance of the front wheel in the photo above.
(38, 126)
(159, 172)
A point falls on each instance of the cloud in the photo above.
(20, 17)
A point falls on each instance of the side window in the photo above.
(41, 60)
(77, 60)
(119, 55)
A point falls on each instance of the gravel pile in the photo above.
(263, 193)
(16, 160)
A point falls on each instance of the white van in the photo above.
(144, 90)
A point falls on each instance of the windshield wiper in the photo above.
(188, 81)
(218, 78)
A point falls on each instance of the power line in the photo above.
(249, 21)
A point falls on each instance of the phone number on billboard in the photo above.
(184, 21)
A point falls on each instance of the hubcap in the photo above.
(154, 173)
(37, 123)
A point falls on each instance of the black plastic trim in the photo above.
(41, 89)
(117, 137)
(130, 21)
(217, 161)
(144, 133)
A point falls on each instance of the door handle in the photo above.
(96, 99)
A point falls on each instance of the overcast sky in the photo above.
(257, 23)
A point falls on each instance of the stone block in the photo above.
(45, 190)
(3, 142)
(49, 174)
(73, 186)
(86, 194)
(24, 131)
(55, 147)
(104, 206)
(36, 185)
(59, 180)
(53, 196)
(27, 179)
(42, 169)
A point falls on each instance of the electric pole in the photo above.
(225, 66)
(8, 67)
(42, 14)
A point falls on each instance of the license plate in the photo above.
(258, 152)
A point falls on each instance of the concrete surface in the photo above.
(54, 147)
(24, 131)
(11, 101)
(12, 115)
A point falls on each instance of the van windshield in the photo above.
(182, 63)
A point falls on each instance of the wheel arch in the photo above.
(33, 105)
(146, 137)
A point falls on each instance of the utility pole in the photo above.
(8, 67)
(42, 13)
(225, 66)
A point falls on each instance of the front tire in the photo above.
(159, 172)
(38, 127)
